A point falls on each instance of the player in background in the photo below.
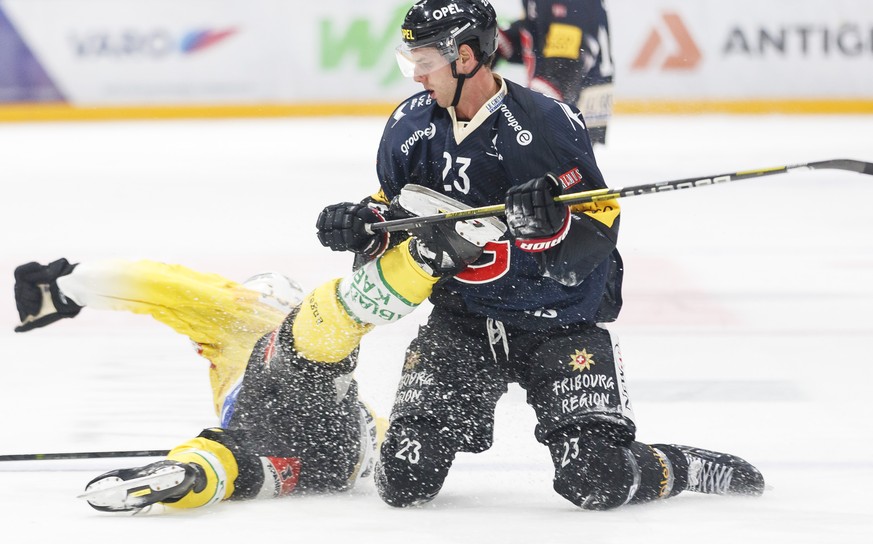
(564, 44)
(532, 309)
(281, 372)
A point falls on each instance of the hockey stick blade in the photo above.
(597, 195)
(843, 164)
(82, 455)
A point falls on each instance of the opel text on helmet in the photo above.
(433, 30)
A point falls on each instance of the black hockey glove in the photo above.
(535, 220)
(441, 249)
(342, 227)
(438, 247)
(37, 296)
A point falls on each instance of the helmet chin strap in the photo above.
(461, 79)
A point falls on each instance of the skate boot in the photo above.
(133, 489)
(721, 473)
(372, 432)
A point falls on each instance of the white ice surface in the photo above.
(747, 328)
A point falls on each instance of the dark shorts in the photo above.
(459, 365)
(290, 407)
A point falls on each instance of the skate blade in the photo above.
(116, 494)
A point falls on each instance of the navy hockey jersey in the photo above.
(524, 136)
(565, 44)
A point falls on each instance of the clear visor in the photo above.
(420, 60)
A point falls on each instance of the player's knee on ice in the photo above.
(593, 472)
(598, 468)
(414, 461)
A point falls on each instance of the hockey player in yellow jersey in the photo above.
(281, 370)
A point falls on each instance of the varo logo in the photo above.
(154, 43)
(681, 54)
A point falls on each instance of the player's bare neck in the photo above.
(476, 92)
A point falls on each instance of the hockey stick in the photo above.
(83, 455)
(624, 192)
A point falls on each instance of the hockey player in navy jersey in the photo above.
(531, 309)
(565, 46)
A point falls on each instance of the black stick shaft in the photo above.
(82, 455)
(860, 167)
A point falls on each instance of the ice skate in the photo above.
(372, 432)
(721, 473)
(133, 489)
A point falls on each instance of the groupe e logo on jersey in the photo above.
(523, 136)
(428, 133)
